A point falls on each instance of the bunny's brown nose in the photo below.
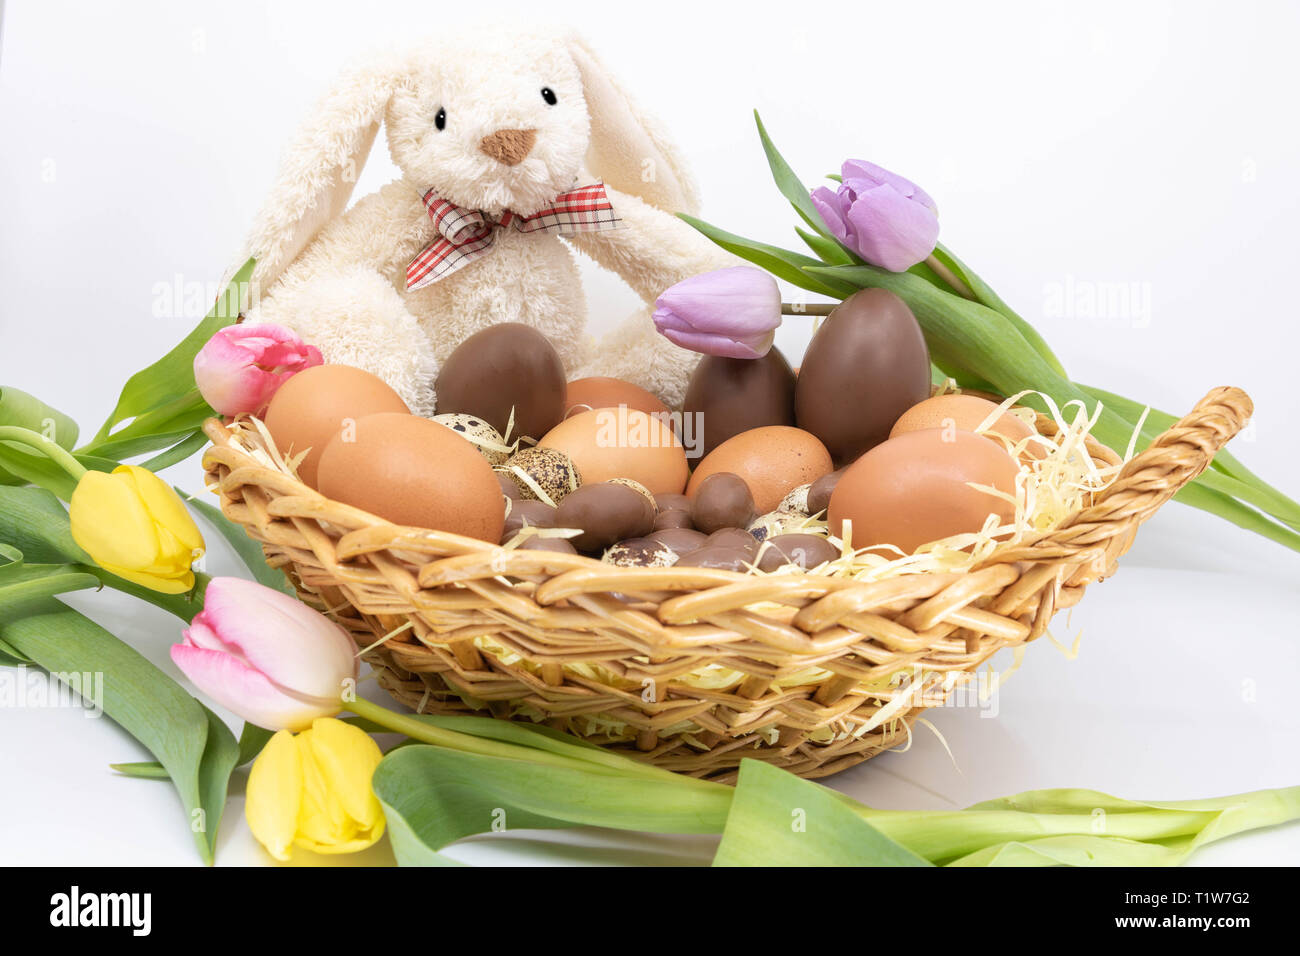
(509, 146)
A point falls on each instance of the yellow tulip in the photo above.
(312, 790)
(132, 524)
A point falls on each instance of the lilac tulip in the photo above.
(241, 366)
(271, 659)
(731, 312)
(887, 220)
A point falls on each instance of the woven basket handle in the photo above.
(1148, 480)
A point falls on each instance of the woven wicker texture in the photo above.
(830, 671)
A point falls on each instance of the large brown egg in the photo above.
(913, 489)
(865, 367)
(967, 413)
(584, 394)
(413, 471)
(319, 403)
(608, 443)
(503, 368)
(727, 396)
(772, 461)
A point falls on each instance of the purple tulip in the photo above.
(887, 220)
(731, 312)
(241, 366)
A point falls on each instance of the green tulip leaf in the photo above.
(790, 185)
(251, 741)
(149, 770)
(781, 263)
(778, 819)
(249, 551)
(830, 252)
(27, 411)
(160, 427)
(35, 522)
(194, 442)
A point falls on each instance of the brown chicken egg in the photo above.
(608, 443)
(913, 489)
(321, 402)
(773, 461)
(413, 471)
(966, 412)
(586, 394)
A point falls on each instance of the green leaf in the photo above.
(251, 741)
(249, 551)
(22, 465)
(173, 374)
(160, 427)
(149, 769)
(778, 819)
(828, 251)
(144, 701)
(792, 188)
(782, 263)
(27, 411)
(182, 450)
(433, 797)
(35, 522)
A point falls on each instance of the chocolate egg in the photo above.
(504, 368)
(866, 366)
(640, 553)
(819, 492)
(711, 556)
(668, 501)
(585, 394)
(538, 514)
(915, 489)
(411, 471)
(537, 542)
(680, 540)
(320, 402)
(605, 512)
(676, 518)
(804, 550)
(478, 433)
(548, 469)
(509, 487)
(722, 500)
(727, 396)
(773, 461)
(737, 539)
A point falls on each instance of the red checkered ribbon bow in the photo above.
(468, 234)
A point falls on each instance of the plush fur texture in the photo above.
(338, 278)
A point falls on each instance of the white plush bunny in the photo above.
(497, 123)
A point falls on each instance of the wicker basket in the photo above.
(581, 644)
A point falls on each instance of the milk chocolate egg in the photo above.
(734, 538)
(773, 461)
(968, 412)
(505, 367)
(866, 366)
(680, 540)
(318, 403)
(668, 501)
(727, 396)
(586, 394)
(538, 514)
(675, 518)
(819, 492)
(803, 550)
(722, 500)
(611, 443)
(913, 489)
(536, 542)
(412, 471)
(605, 512)
(722, 558)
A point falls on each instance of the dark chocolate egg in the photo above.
(723, 500)
(680, 540)
(865, 367)
(605, 512)
(804, 550)
(503, 368)
(819, 492)
(727, 396)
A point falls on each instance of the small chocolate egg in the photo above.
(548, 469)
(737, 539)
(676, 518)
(411, 471)
(320, 402)
(727, 396)
(536, 542)
(638, 488)
(866, 366)
(968, 412)
(819, 492)
(509, 487)
(535, 513)
(504, 368)
(611, 443)
(804, 550)
(680, 540)
(668, 501)
(775, 523)
(722, 500)
(915, 488)
(605, 512)
(478, 433)
(773, 461)
(640, 553)
(711, 556)
(585, 394)
(796, 502)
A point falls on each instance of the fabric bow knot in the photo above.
(468, 234)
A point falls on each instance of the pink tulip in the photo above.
(732, 312)
(240, 367)
(269, 658)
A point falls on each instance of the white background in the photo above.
(1148, 143)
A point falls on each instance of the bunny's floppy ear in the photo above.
(320, 167)
(629, 150)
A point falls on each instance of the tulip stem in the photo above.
(950, 277)
(808, 308)
(46, 446)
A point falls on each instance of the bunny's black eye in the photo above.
(548, 95)
(440, 120)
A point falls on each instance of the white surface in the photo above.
(1116, 143)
